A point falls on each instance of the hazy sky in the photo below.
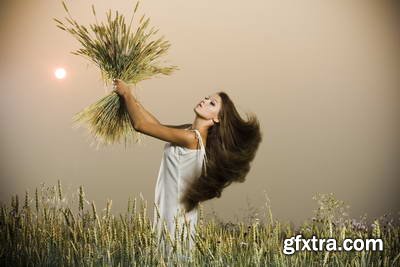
(323, 78)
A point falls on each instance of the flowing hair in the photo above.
(231, 146)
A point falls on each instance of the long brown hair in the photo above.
(231, 146)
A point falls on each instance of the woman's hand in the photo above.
(120, 87)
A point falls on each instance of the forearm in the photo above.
(137, 113)
(149, 116)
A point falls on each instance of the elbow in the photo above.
(143, 126)
(140, 125)
(137, 126)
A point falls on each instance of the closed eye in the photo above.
(212, 103)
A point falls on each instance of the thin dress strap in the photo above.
(202, 148)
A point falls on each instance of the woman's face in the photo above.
(209, 107)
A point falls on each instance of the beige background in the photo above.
(322, 76)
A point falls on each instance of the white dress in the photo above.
(178, 166)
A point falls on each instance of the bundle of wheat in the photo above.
(118, 53)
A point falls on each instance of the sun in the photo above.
(60, 73)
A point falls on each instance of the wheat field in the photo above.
(49, 229)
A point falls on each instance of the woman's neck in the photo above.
(203, 129)
(199, 124)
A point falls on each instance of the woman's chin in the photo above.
(198, 114)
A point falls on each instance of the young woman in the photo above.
(199, 159)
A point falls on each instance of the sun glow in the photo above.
(60, 73)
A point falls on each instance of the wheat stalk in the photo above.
(119, 52)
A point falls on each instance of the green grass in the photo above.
(52, 230)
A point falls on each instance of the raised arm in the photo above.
(146, 113)
(181, 126)
(145, 123)
(174, 134)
